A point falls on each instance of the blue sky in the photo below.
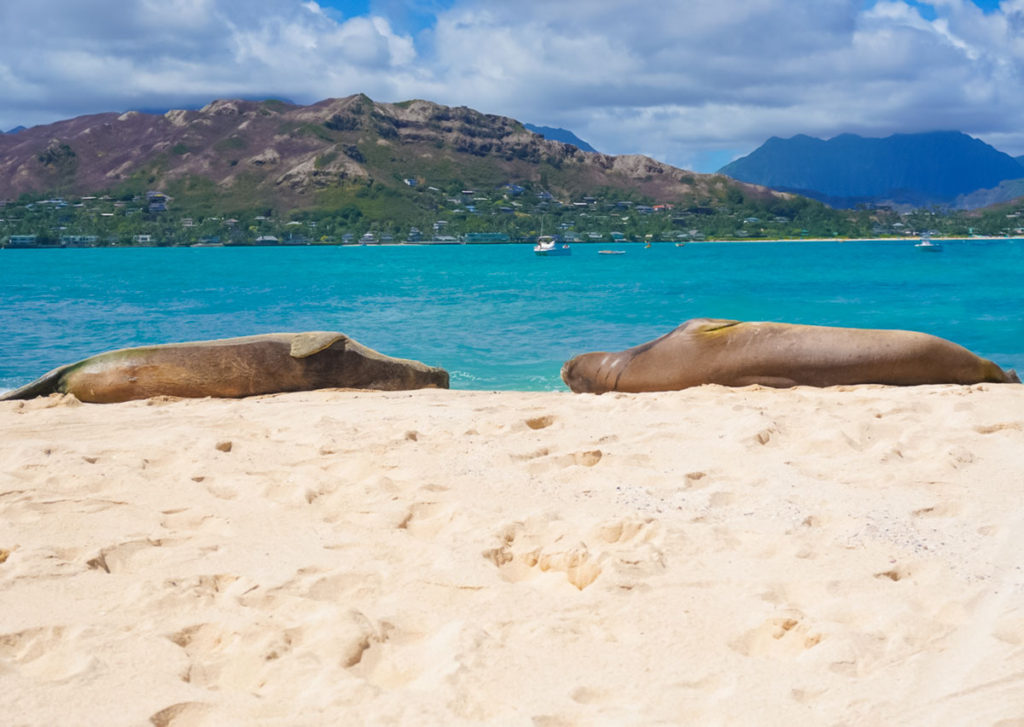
(409, 16)
(694, 83)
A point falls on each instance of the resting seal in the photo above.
(736, 353)
(234, 367)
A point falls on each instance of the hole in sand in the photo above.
(893, 575)
(540, 422)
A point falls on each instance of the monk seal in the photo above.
(234, 367)
(737, 353)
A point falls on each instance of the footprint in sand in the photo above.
(398, 657)
(547, 462)
(786, 636)
(628, 547)
(191, 592)
(340, 587)
(239, 657)
(426, 519)
(519, 557)
(49, 653)
(123, 557)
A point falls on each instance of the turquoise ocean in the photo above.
(497, 316)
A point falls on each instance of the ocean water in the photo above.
(497, 316)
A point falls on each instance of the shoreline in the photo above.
(588, 243)
(464, 557)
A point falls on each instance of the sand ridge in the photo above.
(712, 556)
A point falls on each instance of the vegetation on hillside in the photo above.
(242, 172)
(195, 212)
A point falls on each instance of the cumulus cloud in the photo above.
(65, 57)
(680, 81)
(688, 83)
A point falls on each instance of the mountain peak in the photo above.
(932, 167)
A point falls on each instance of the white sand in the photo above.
(849, 556)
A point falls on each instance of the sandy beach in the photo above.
(843, 556)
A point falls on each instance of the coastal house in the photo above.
(143, 239)
(156, 202)
(79, 240)
(21, 241)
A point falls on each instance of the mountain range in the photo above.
(233, 153)
(913, 170)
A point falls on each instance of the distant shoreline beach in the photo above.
(447, 243)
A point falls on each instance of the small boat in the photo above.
(680, 244)
(549, 247)
(611, 252)
(927, 244)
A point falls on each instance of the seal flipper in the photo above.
(307, 344)
(45, 385)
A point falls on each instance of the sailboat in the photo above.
(549, 246)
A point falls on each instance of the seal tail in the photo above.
(1012, 377)
(43, 386)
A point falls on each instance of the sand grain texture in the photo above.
(849, 556)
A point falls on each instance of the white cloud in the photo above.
(683, 82)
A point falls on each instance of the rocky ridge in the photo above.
(284, 155)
